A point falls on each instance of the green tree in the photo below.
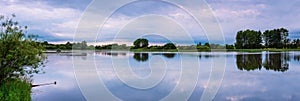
(83, 45)
(207, 44)
(68, 45)
(248, 39)
(199, 44)
(20, 54)
(296, 43)
(229, 46)
(169, 46)
(240, 40)
(141, 43)
(276, 38)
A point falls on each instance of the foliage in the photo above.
(199, 44)
(169, 46)
(140, 43)
(295, 44)
(80, 46)
(113, 47)
(207, 44)
(20, 54)
(229, 46)
(216, 46)
(156, 47)
(15, 90)
(67, 46)
(276, 38)
(248, 39)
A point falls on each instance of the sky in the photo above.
(58, 21)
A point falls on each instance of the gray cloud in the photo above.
(58, 20)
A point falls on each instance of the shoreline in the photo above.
(176, 50)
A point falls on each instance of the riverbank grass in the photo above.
(15, 90)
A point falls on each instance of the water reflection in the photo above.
(272, 61)
(237, 84)
(297, 57)
(209, 55)
(249, 61)
(141, 57)
(167, 55)
(277, 62)
(112, 53)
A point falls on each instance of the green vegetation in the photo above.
(169, 46)
(113, 46)
(246, 41)
(18, 50)
(21, 56)
(15, 90)
(67, 46)
(140, 43)
(274, 40)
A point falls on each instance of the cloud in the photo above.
(235, 15)
(44, 19)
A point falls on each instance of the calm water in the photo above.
(271, 76)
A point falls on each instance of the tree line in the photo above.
(245, 39)
(67, 46)
(276, 38)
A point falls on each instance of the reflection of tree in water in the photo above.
(207, 56)
(277, 62)
(141, 56)
(112, 53)
(297, 57)
(249, 61)
(169, 55)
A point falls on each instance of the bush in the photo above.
(18, 50)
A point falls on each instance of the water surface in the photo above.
(248, 76)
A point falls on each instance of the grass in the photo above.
(260, 50)
(15, 90)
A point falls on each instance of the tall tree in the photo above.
(276, 38)
(169, 46)
(248, 39)
(141, 43)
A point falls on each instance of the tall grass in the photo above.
(16, 89)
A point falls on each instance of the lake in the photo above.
(154, 76)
